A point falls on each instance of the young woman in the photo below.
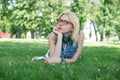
(66, 40)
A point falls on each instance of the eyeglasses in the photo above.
(64, 22)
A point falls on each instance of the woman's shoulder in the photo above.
(81, 36)
(81, 33)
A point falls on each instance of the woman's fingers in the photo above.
(47, 60)
(55, 30)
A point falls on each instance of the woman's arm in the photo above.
(55, 49)
(51, 43)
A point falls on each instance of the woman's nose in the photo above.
(60, 24)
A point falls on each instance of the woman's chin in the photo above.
(59, 30)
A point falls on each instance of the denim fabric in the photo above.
(68, 51)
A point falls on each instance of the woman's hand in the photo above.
(55, 30)
(52, 60)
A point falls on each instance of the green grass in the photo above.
(99, 61)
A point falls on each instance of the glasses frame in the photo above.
(64, 22)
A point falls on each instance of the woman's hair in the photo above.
(75, 21)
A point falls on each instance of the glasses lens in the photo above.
(65, 22)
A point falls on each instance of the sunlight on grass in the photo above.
(97, 44)
(24, 40)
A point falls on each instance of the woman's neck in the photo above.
(67, 34)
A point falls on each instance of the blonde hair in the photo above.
(75, 21)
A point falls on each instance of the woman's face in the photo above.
(64, 25)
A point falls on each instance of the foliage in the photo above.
(4, 10)
(116, 19)
(40, 16)
(4, 26)
(4, 16)
(79, 9)
(29, 15)
(25, 17)
(105, 17)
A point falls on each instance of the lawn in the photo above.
(99, 61)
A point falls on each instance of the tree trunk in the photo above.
(101, 37)
(32, 34)
(18, 33)
(4, 29)
(119, 38)
(94, 29)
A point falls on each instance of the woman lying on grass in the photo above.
(66, 40)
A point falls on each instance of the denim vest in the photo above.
(69, 50)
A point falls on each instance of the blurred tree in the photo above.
(79, 7)
(40, 16)
(50, 10)
(4, 15)
(92, 12)
(104, 18)
(4, 26)
(116, 17)
(25, 17)
(35, 15)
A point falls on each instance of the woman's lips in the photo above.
(59, 28)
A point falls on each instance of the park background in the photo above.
(25, 24)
